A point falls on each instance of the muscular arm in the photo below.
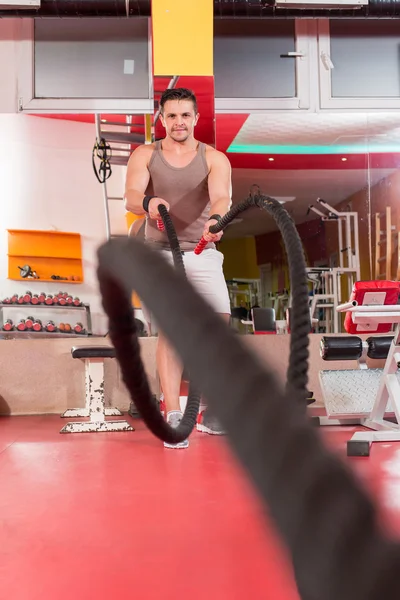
(137, 179)
(220, 184)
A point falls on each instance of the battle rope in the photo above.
(300, 312)
(298, 362)
(327, 522)
(191, 412)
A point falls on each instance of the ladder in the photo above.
(120, 134)
(386, 235)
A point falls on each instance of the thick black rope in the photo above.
(297, 372)
(172, 238)
(188, 422)
(326, 520)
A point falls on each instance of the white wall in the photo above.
(47, 182)
(8, 65)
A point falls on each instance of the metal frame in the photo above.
(349, 258)
(382, 430)
(303, 43)
(95, 404)
(387, 399)
(325, 87)
(26, 85)
(49, 307)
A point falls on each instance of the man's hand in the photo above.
(153, 208)
(211, 237)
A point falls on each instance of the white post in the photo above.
(94, 374)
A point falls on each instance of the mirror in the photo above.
(332, 172)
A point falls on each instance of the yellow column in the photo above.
(183, 37)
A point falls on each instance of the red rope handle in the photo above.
(160, 225)
(200, 246)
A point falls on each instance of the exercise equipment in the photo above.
(8, 325)
(297, 370)
(37, 325)
(328, 297)
(93, 358)
(21, 325)
(50, 327)
(366, 396)
(79, 328)
(327, 522)
(29, 322)
(26, 272)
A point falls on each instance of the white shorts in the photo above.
(205, 273)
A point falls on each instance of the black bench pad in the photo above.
(93, 352)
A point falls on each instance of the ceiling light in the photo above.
(344, 159)
(271, 159)
(283, 199)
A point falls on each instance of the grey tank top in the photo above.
(186, 191)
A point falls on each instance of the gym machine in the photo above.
(366, 396)
(330, 279)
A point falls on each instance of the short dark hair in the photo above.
(178, 94)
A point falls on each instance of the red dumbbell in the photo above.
(21, 325)
(29, 321)
(79, 328)
(37, 325)
(50, 326)
(8, 325)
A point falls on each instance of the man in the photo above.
(193, 181)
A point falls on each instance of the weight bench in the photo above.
(371, 396)
(93, 357)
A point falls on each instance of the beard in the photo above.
(180, 136)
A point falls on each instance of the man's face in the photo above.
(179, 119)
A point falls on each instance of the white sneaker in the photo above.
(207, 423)
(174, 417)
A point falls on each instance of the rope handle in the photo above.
(203, 242)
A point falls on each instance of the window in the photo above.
(85, 65)
(359, 63)
(260, 64)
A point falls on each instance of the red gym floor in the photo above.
(104, 516)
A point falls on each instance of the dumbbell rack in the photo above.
(31, 308)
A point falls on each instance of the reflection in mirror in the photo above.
(383, 145)
(320, 167)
